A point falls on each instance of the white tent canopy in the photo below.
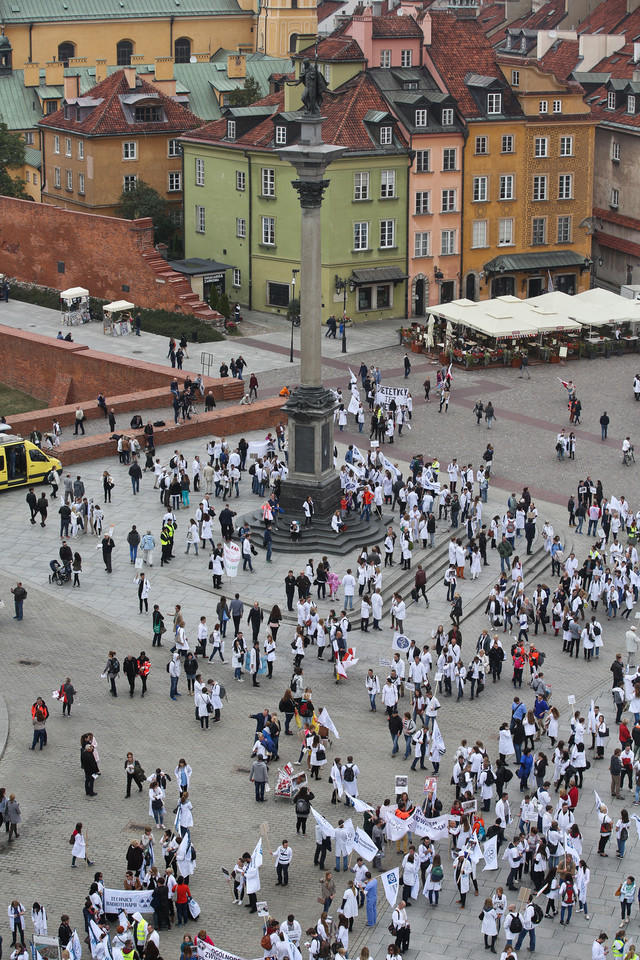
(505, 317)
(118, 306)
(599, 306)
(73, 293)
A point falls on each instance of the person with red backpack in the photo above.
(567, 899)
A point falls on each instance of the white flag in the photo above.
(327, 829)
(325, 720)
(391, 884)
(349, 830)
(637, 820)
(354, 404)
(598, 800)
(74, 946)
(256, 856)
(473, 851)
(437, 738)
(396, 829)
(340, 670)
(389, 466)
(364, 845)
(490, 854)
(401, 643)
(570, 850)
(361, 806)
(357, 455)
(352, 375)
(186, 866)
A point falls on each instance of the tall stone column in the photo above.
(310, 407)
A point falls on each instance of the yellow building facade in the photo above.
(281, 22)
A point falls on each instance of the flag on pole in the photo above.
(360, 806)
(396, 829)
(391, 884)
(323, 823)
(550, 286)
(437, 738)
(490, 854)
(364, 845)
(176, 822)
(327, 722)
(256, 856)
(349, 830)
(357, 455)
(570, 850)
(74, 946)
(340, 670)
(598, 800)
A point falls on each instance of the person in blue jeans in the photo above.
(526, 917)
(395, 729)
(340, 841)
(19, 596)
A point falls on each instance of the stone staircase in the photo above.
(186, 300)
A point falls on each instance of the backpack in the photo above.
(490, 778)
(537, 913)
(168, 665)
(437, 873)
(624, 834)
(516, 923)
(348, 775)
(115, 665)
(568, 893)
(303, 807)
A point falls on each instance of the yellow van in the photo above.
(22, 462)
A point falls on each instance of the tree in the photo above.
(145, 201)
(214, 298)
(246, 95)
(223, 306)
(12, 156)
(293, 310)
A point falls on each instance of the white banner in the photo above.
(396, 829)
(391, 883)
(437, 828)
(327, 829)
(232, 554)
(206, 951)
(364, 845)
(384, 395)
(490, 854)
(128, 900)
(325, 720)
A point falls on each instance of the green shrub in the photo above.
(224, 307)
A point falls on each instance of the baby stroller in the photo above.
(58, 573)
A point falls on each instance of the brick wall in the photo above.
(99, 253)
(62, 373)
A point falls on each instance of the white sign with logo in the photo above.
(232, 554)
(115, 901)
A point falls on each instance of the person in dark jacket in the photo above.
(135, 473)
(130, 669)
(91, 770)
(160, 904)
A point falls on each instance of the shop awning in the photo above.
(378, 275)
(551, 260)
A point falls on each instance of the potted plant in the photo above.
(507, 356)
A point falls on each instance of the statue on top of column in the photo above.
(315, 86)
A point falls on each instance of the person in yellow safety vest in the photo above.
(128, 951)
(617, 947)
(165, 546)
(140, 931)
(435, 466)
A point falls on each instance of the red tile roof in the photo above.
(604, 17)
(328, 7)
(344, 111)
(394, 26)
(610, 216)
(109, 116)
(547, 17)
(333, 48)
(491, 16)
(459, 47)
(617, 243)
(561, 58)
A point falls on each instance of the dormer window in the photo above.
(631, 103)
(148, 113)
(67, 111)
(611, 100)
(421, 118)
(231, 129)
(281, 135)
(447, 117)
(410, 85)
(494, 103)
(386, 136)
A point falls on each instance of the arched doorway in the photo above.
(471, 287)
(419, 295)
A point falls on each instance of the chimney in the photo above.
(32, 74)
(72, 87)
(130, 76)
(101, 70)
(426, 29)
(164, 68)
(236, 66)
(54, 73)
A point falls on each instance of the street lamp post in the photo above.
(342, 285)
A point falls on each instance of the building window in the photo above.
(148, 113)
(631, 103)
(199, 172)
(387, 184)
(506, 186)
(231, 129)
(281, 135)
(447, 242)
(505, 233)
(268, 231)
(66, 51)
(539, 230)
(557, 106)
(268, 182)
(81, 183)
(480, 189)
(364, 298)
(237, 277)
(449, 157)
(421, 245)
(182, 50)
(423, 161)
(35, 179)
(479, 233)
(361, 235)
(566, 146)
(540, 188)
(56, 176)
(385, 58)
(515, 78)
(421, 118)
(614, 202)
(387, 233)
(241, 180)
(200, 219)
(494, 103)
(406, 58)
(175, 182)
(611, 100)
(174, 148)
(50, 106)
(386, 136)
(361, 186)
(447, 117)
(482, 146)
(69, 180)
(543, 106)
(564, 229)
(80, 150)
(129, 182)
(565, 186)
(28, 176)
(56, 144)
(28, 138)
(241, 228)
(508, 143)
(278, 294)
(541, 147)
(383, 296)
(67, 146)
(423, 202)
(130, 150)
(615, 152)
(448, 201)
(124, 52)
